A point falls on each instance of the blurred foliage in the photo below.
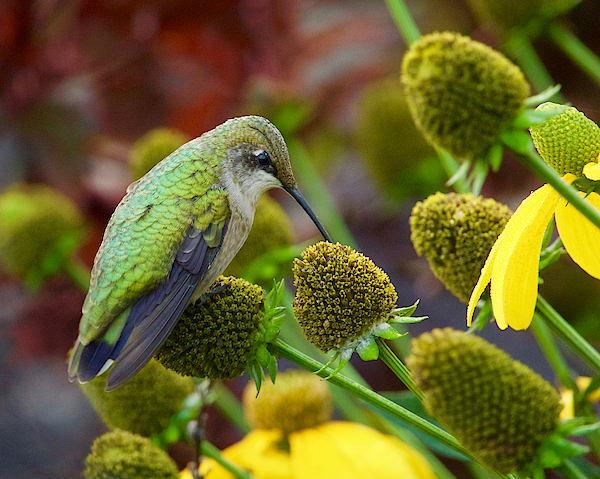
(81, 81)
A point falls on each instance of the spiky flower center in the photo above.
(214, 339)
(340, 294)
(498, 408)
(456, 232)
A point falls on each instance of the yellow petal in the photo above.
(592, 170)
(580, 237)
(515, 269)
(350, 450)
(483, 281)
(568, 402)
(258, 452)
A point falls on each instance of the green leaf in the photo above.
(263, 356)
(517, 140)
(368, 349)
(542, 96)
(388, 332)
(272, 368)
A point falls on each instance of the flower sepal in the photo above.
(557, 449)
(366, 345)
(268, 331)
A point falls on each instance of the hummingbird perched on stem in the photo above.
(171, 237)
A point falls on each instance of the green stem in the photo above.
(211, 451)
(451, 166)
(316, 192)
(518, 45)
(78, 272)
(577, 51)
(282, 349)
(398, 368)
(546, 341)
(571, 471)
(567, 333)
(536, 164)
(404, 20)
(229, 406)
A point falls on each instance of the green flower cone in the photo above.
(567, 141)
(497, 408)
(340, 295)
(461, 92)
(143, 405)
(153, 147)
(456, 232)
(123, 455)
(299, 400)
(216, 339)
(39, 230)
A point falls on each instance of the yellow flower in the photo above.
(512, 265)
(568, 400)
(331, 450)
(295, 439)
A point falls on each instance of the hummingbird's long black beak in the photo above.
(295, 193)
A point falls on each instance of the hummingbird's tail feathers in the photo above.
(153, 317)
(151, 332)
(74, 360)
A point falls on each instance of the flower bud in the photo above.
(153, 147)
(456, 232)
(298, 400)
(461, 92)
(497, 408)
(145, 404)
(340, 295)
(123, 455)
(567, 141)
(39, 229)
(214, 339)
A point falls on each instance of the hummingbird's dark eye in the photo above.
(263, 157)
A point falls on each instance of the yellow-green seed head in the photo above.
(39, 229)
(340, 294)
(215, 339)
(456, 232)
(123, 455)
(298, 400)
(151, 148)
(388, 140)
(145, 404)
(511, 13)
(271, 230)
(461, 92)
(497, 408)
(567, 141)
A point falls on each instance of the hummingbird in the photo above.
(171, 236)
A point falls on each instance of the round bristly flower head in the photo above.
(567, 141)
(340, 295)
(39, 229)
(123, 455)
(298, 400)
(455, 233)
(216, 338)
(496, 407)
(143, 405)
(153, 147)
(271, 231)
(461, 92)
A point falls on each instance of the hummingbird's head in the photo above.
(259, 160)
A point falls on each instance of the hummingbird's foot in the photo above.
(216, 290)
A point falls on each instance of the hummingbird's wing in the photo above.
(152, 318)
